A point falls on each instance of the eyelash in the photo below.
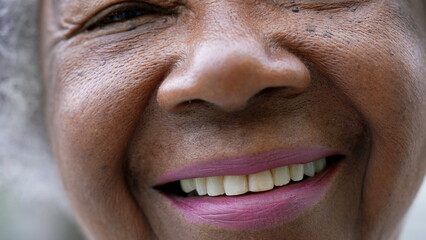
(126, 11)
(123, 12)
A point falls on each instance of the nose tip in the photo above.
(229, 78)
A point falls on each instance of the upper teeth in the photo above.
(256, 182)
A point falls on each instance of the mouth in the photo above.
(234, 185)
(252, 193)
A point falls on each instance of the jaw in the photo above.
(339, 202)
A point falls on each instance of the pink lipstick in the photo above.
(248, 164)
(254, 211)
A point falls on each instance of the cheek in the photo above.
(98, 109)
(99, 96)
(378, 64)
(387, 87)
(93, 112)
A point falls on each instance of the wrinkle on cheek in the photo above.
(387, 58)
(392, 101)
(378, 64)
(98, 105)
(112, 102)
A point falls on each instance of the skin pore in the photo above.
(198, 80)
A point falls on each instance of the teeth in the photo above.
(320, 165)
(309, 169)
(281, 176)
(256, 182)
(235, 185)
(296, 172)
(215, 186)
(262, 181)
(188, 185)
(201, 186)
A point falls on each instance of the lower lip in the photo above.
(257, 211)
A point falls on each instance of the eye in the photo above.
(123, 12)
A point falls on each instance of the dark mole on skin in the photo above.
(353, 8)
(295, 9)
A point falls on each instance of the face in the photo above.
(224, 95)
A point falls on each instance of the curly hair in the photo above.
(25, 150)
(29, 184)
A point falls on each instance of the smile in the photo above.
(232, 185)
(252, 192)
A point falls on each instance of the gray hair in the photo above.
(23, 138)
(29, 184)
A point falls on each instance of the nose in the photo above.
(229, 75)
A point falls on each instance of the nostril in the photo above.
(269, 91)
(284, 92)
(189, 103)
(229, 78)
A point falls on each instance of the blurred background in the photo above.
(32, 203)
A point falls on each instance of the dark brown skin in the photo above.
(129, 101)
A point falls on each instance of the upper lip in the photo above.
(248, 164)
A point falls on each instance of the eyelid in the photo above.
(99, 16)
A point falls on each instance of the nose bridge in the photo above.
(227, 65)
